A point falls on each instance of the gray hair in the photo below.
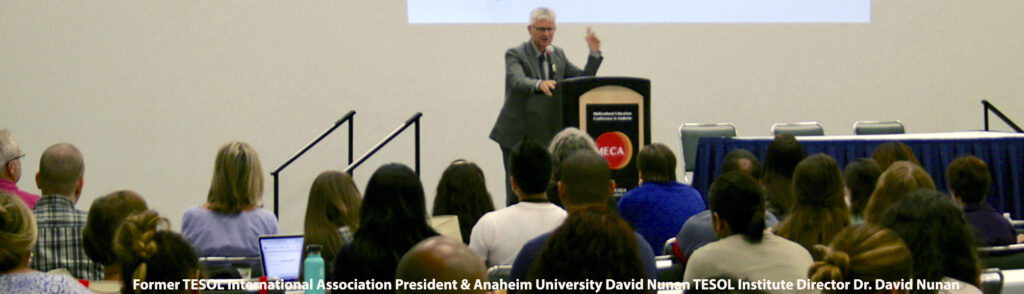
(542, 13)
(8, 148)
(565, 143)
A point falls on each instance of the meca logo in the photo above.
(616, 148)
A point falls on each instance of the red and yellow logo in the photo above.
(616, 148)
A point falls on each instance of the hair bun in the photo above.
(834, 267)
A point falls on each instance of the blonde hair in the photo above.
(900, 179)
(145, 242)
(237, 182)
(17, 231)
(334, 202)
(864, 252)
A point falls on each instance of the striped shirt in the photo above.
(60, 238)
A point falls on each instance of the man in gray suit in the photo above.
(532, 69)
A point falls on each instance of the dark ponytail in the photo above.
(737, 199)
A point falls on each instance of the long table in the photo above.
(1003, 152)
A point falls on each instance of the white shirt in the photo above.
(498, 235)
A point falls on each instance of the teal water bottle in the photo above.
(313, 269)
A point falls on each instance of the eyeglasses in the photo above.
(15, 158)
(544, 30)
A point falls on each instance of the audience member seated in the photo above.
(564, 144)
(820, 212)
(658, 207)
(463, 192)
(393, 219)
(105, 216)
(864, 252)
(17, 237)
(593, 244)
(150, 252)
(61, 170)
(861, 176)
(10, 172)
(969, 180)
(939, 238)
(745, 248)
(441, 259)
(900, 179)
(500, 234)
(781, 158)
(332, 214)
(232, 219)
(890, 152)
(586, 180)
(697, 231)
(741, 160)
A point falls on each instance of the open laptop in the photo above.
(281, 256)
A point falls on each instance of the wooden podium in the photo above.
(615, 111)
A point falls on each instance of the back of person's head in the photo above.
(741, 160)
(394, 213)
(463, 192)
(586, 179)
(442, 259)
(334, 202)
(8, 152)
(780, 160)
(149, 251)
(969, 179)
(564, 144)
(105, 216)
(901, 178)
(861, 176)
(237, 182)
(593, 244)
(737, 201)
(863, 252)
(938, 235)
(529, 164)
(60, 170)
(656, 163)
(17, 231)
(820, 212)
(890, 152)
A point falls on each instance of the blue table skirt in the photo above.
(1004, 156)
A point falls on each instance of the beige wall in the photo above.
(149, 90)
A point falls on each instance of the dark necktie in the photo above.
(545, 67)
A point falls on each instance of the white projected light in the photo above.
(644, 11)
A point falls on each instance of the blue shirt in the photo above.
(991, 228)
(230, 235)
(532, 249)
(658, 210)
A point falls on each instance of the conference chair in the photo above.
(809, 128)
(499, 272)
(1002, 257)
(870, 127)
(690, 134)
(1013, 281)
(991, 281)
(668, 249)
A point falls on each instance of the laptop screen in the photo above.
(281, 256)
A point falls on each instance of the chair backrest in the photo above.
(667, 249)
(991, 281)
(1002, 257)
(499, 272)
(809, 128)
(668, 269)
(690, 134)
(867, 127)
(1013, 281)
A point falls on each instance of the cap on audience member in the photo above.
(149, 251)
(586, 180)
(106, 215)
(863, 252)
(741, 160)
(61, 171)
(890, 152)
(442, 259)
(901, 178)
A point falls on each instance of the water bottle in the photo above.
(313, 269)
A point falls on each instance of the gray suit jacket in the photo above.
(527, 112)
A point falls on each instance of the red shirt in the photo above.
(29, 198)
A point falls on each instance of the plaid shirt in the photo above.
(60, 239)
